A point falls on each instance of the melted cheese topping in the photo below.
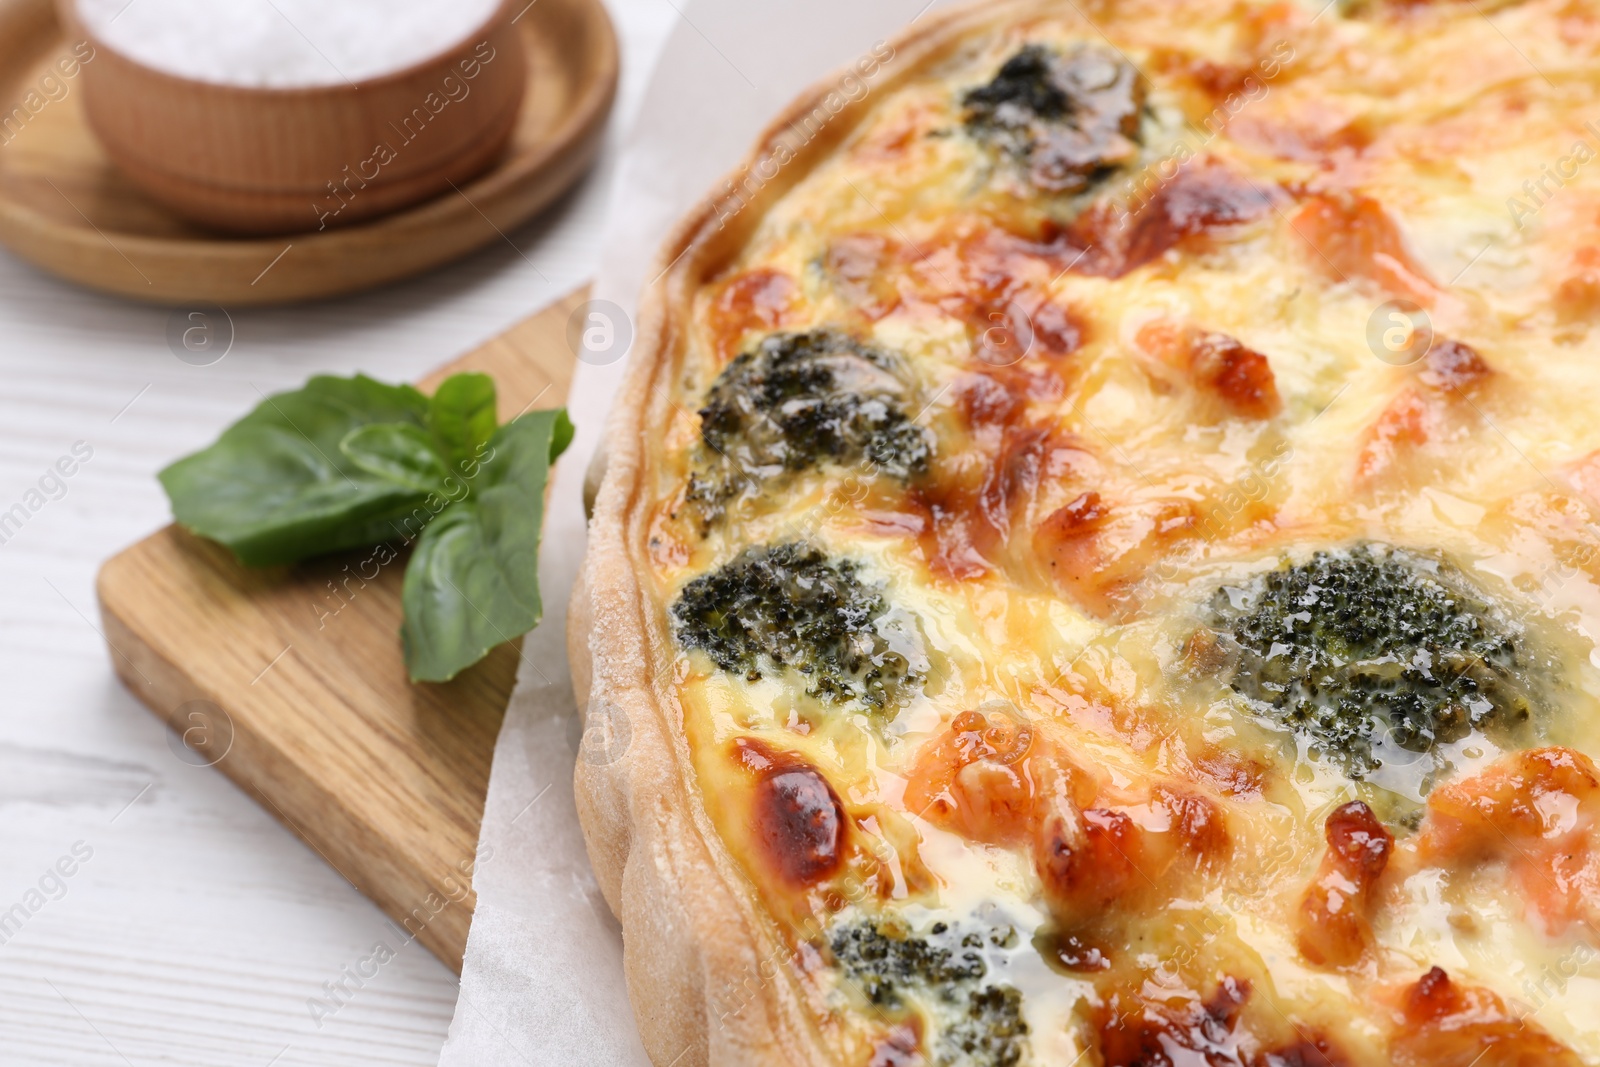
(1139, 392)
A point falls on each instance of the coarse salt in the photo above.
(283, 43)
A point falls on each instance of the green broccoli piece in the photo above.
(992, 1033)
(788, 607)
(799, 400)
(885, 959)
(1074, 119)
(1373, 643)
(979, 1026)
(1025, 88)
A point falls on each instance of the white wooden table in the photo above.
(197, 929)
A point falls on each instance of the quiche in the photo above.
(1098, 554)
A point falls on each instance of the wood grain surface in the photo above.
(66, 208)
(290, 681)
(201, 927)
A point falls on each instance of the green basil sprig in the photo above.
(350, 462)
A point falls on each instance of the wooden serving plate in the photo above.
(301, 696)
(64, 207)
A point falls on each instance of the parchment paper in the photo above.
(542, 984)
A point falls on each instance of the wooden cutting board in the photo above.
(290, 681)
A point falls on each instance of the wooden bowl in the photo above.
(65, 207)
(289, 160)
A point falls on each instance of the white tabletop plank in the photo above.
(198, 931)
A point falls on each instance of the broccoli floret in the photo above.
(885, 959)
(1376, 643)
(1025, 88)
(979, 1026)
(796, 401)
(1074, 118)
(788, 607)
(992, 1033)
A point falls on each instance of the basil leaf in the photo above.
(561, 434)
(473, 581)
(350, 462)
(276, 487)
(398, 451)
(463, 418)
